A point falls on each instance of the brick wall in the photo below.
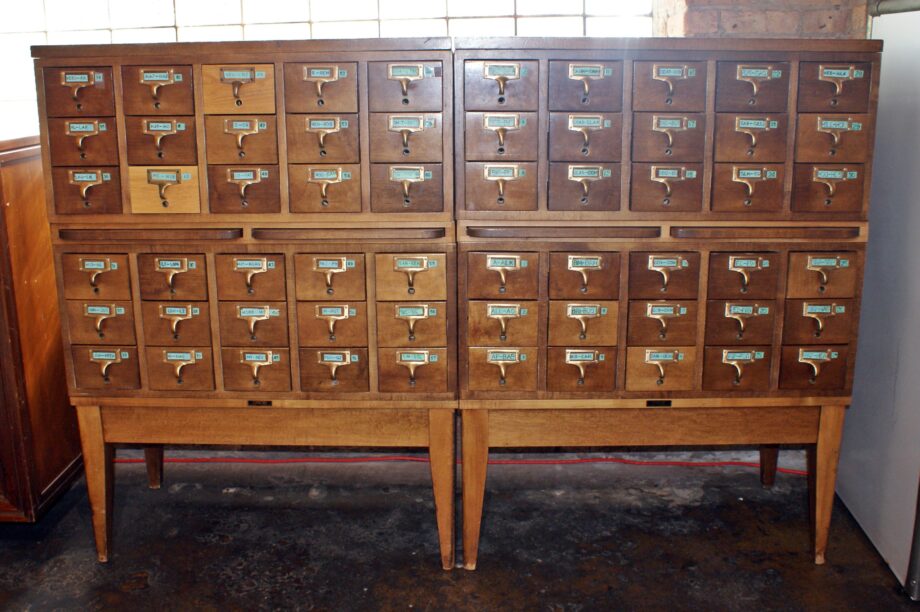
(762, 18)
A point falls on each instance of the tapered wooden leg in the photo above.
(97, 461)
(768, 458)
(153, 457)
(826, 454)
(443, 456)
(475, 436)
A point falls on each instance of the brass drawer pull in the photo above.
(323, 128)
(744, 265)
(583, 312)
(504, 358)
(160, 129)
(249, 267)
(660, 359)
(237, 77)
(820, 313)
(413, 314)
(156, 78)
(252, 314)
(501, 174)
(335, 360)
(830, 178)
(320, 75)
(164, 179)
(582, 359)
(669, 73)
(738, 359)
(179, 360)
(665, 265)
(406, 176)
(501, 124)
(412, 360)
(332, 315)
(838, 76)
(823, 265)
(406, 125)
(256, 360)
(76, 80)
(742, 312)
(95, 267)
(83, 129)
(751, 126)
(587, 73)
(584, 264)
(172, 267)
(816, 359)
(504, 313)
(177, 314)
(749, 177)
(666, 175)
(100, 314)
(86, 180)
(501, 73)
(503, 264)
(663, 313)
(755, 75)
(241, 128)
(585, 175)
(410, 265)
(405, 74)
(325, 177)
(329, 267)
(668, 125)
(106, 359)
(836, 128)
(243, 178)
(584, 125)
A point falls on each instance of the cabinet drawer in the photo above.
(256, 369)
(164, 190)
(95, 277)
(818, 321)
(505, 186)
(415, 188)
(172, 277)
(506, 322)
(100, 322)
(330, 276)
(747, 187)
(413, 370)
(412, 324)
(583, 322)
(832, 138)
(589, 85)
(411, 86)
(740, 321)
(79, 91)
(834, 87)
(180, 369)
(668, 137)
(827, 188)
(752, 86)
(332, 324)
(587, 187)
(503, 369)
(250, 139)
(405, 137)
(664, 275)
(333, 370)
(825, 275)
(736, 368)
(502, 275)
(325, 188)
(501, 136)
(584, 276)
(667, 187)
(157, 90)
(500, 84)
(330, 139)
(91, 191)
(105, 367)
(662, 322)
(174, 324)
(581, 137)
(669, 86)
(660, 369)
(743, 275)
(244, 189)
(755, 138)
(253, 323)
(238, 88)
(403, 276)
(161, 140)
(80, 142)
(581, 369)
(814, 367)
(330, 87)
(250, 277)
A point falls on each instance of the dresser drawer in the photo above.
(839, 87)
(668, 137)
(87, 190)
(411, 370)
(412, 324)
(501, 186)
(180, 368)
(244, 189)
(323, 188)
(93, 322)
(330, 276)
(740, 322)
(743, 275)
(498, 275)
(161, 140)
(79, 91)
(409, 188)
(736, 368)
(832, 138)
(164, 189)
(503, 369)
(581, 137)
(330, 139)
(238, 88)
(824, 275)
(747, 187)
(827, 188)
(95, 277)
(105, 367)
(332, 324)
(251, 369)
(80, 142)
(176, 324)
(157, 90)
(752, 86)
(250, 277)
(594, 276)
(581, 369)
(669, 85)
(585, 86)
(664, 275)
(404, 276)
(406, 138)
(584, 187)
(512, 323)
(253, 323)
(662, 322)
(501, 136)
(818, 321)
(249, 139)
(412, 86)
(667, 187)
(333, 370)
(500, 84)
(669, 368)
(814, 367)
(583, 323)
(328, 87)
(754, 138)
(172, 277)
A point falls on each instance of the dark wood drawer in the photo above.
(664, 275)
(93, 322)
(406, 138)
(661, 323)
(86, 190)
(332, 324)
(410, 86)
(814, 367)
(503, 368)
(743, 275)
(740, 322)
(669, 368)
(753, 138)
(583, 323)
(175, 324)
(581, 369)
(238, 88)
(669, 85)
(253, 323)
(808, 321)
(405, 276)
(407, 188)
(316, 139)
(317, 188)
(411, 370)
(584, 187)
(501, 136)
(412, 324)
(827, 187)
(158, 90)
(181, 277)
(332, 276)
(584, 276)
(79, 91)
(839, 87)
(253, 369)
(827, 138)
(667, 187)
(498, 275)
(249, 139)
(585, 137)
(100, 276)
(736, 368)
(250, 277)
(244, 189)
(334, 370)
(161, 140)
(85, 141)
(747, 187)
(501, 186)
(500, 84)
(494, 323)
(752, 86)
(105, 367)
(823, 275)
(668, 137)
(180, 368)
(329, 87)
(585, 86)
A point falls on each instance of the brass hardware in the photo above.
(334, 360)
(159, 129)
(830, 177)
(252, 314)
(81, 130)
(586, 73)
(662, 313)
(175, 315)
(503, 358)
(95, 267)
(581, 313)
(753, 75)
(241, 128)
(819, 313)
(668, 174)
(94, 176)
(668, 73)
(99, 314)
(325, 177)
(583, 264)
(249, 267)
(77, 80)
(320, 75)
(584, 124)
(323, 127)
(411, 360)
(412, 315)
(581, 359)
(751, 126)
(501, 174)
(501, 124)
(665, 265)
(749, 177)
(405, 74)
(738, 359)
(329, 267)
(178, 360)
(503, 264)
(406, 125)
(822, 265)
(669, 125)
(332, 315)
(837, 75)
(585, 175)
(659, 358)
(410, 265)
(237, 77)
(105, 359)
(163, 179)
(243, 178)
(744, 265)
(169, 77)
(406, 175)
(741, 314)
(815, 359)
(503, 313)
(256, 360)
(836, 128)
(171, 267)
(501, 73)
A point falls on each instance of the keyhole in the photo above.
(253, 337)
(160, 154)
(176, 336)
(156, 105)
(736, 382)
(411, 337)
(411, 290)
(660, 381)
(256, 382)
(834, 102)
(321, 102)
(501, 380)
(250, 290)
(330, 290)
(406, 201)
(500, 199)
(405, 101)
(669, 101)
(818, 333)
(744, 289)
(501, 150)
(752, 101)
(582, 336)
(740, 335)
(822, 288)
(812, 380)
(584, 199)
(179, 381)
(239, 103)
(82, 155)
(583, 289)
(165, 204)
(406, 151)
(502, 337)
(500, 289)
(668, 151)
(411, 382)
(102, 334)
(322, 152)
(86, 204)
(79, 106)
(827, 202)
(331, 337)
(501, 100)
(832, 152)
(242, 154)
(662, 335)
(105, 378)
(584, 100)
(666, 201)
(324, 203)
(95, 289)
(585, 150)
(748, 201)
(581, 381)
(750, 152)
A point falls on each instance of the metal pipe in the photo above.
(887, 7)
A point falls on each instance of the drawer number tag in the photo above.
(820, 313)
(95, 267)
(100, 313)
(106, 359)
(744, 265)
(335, 360)
(332, 315)
(837, 128)
(815, 359)
(330, 266)
(756, 74)
(822, 265)
(587, 73)
(503, 358)
(838, 75)
(501, 124)
(738, 359)
(155, 78)
(256, 360)
(581, 359)
(179, 359)
(754, 125)
(320, 75)
(172, 267)
(413, 314)
(177, 314)
(660, 359)
(665, 265)
(501, 73)
(668, 125)
(412, 360)
(504, 264)
(87, 179)
(405, 74)
(669, 73)
(253, 314)
(250, 267)
(749, 177)
(662, 313)
(412, 265)
(584, 265)
(742, 312)
(502, 174)
(584, 125)
(504, 313)
(583, 312)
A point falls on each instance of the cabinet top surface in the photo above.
(677, 44)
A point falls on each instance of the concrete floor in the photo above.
(362, 537)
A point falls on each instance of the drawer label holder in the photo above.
(504, 313)
(823, 264)
(83, 129)
(584, 265)
(335, 360)
(323, 127)
(86, 179)
(94, 267)
(100, 313)
(660, 359)
(106, 359)
(667, 175)
(253, 314)
(820, 312)
(665, 265)
(406, 125)
(662, 313)
(256, 360)
(177, 314)
(581, 359)
(249, 267)
(76, 80)
(669, 124)
(172, 267)
(412, 314)
(815, 359)
(406, 176)
(157, 78)
(405, 74)
(742, 312)
(582, 313)
(410, 265)
(504, 358)
(503, 264)
(332, 314)
(330, 266)
(320, 75)
(584, 125)
(585, 175)
(587, 73)
(241, 128)
(160, 129)
(838, 75)
(669, 73)
(744, 265)
(412, 360)
(178, 359)
(738, 359)
(237, 76)
(501, 174)
(501, 124)
(755, 74)
(501, 73)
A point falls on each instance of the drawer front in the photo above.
(747, 187)
(500, 84)
(752, 86)
(505, 186)
(586, 187)
(814, 367)
(581, 369)
(333, 324)
(498, 323)
(250, 277)
(330, 276)
(81, 142)
(583, 323)
(79, 91)
(669, 85)
(739, 322)
(584, 276)
(581, 137)
(406, 138)
(667, 187)
(818, 321)
(318, 188)
(333, 370)
(410, 86)
(244, 189)
(411, 276)
(173, 277)
(330, 87)
(664, 275)
(95, 277)
(743, 275)
(86, 190)
(834, 87)
(827, 188)
(501, 136)
(668, 137)
(315, 139)
(503, 368)
(157, 90)
(106, 367)
(413, 370)
(180, 369)
(238, 88)
(414, 188)
(253, 323)
(412, 324)
(755, 138)
(497, 275)
(589, 85)
(823, 275)
(252, 369)
(250, 139)
(173, 324)
(660, 323)
(736, 368)
(832, 138)
(660, 369)
(161, 140)
(164, 190)
(93, 322)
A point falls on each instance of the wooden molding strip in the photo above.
(150, 235)
(778, 233)
(346, 233)
(563, 232)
